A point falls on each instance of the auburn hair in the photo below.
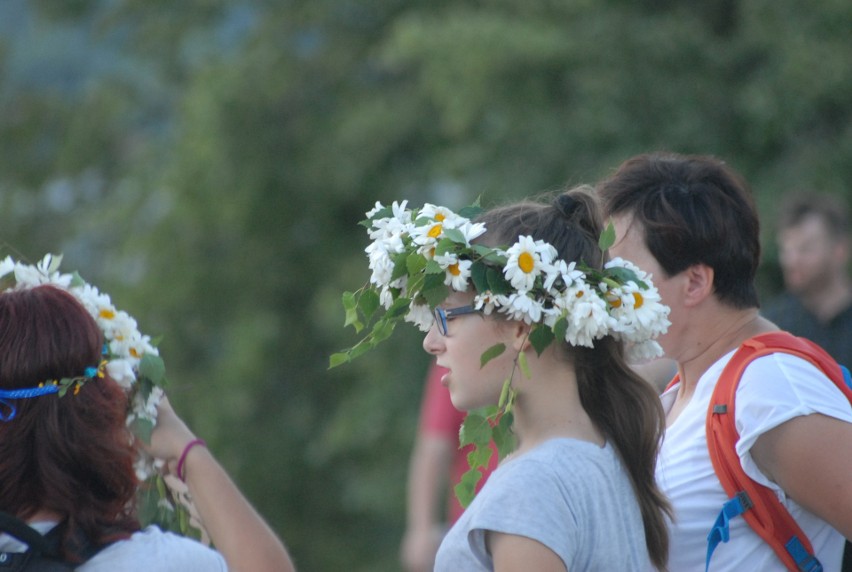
(70, 455)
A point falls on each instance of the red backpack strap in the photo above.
(758, 504)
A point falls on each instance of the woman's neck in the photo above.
(548, 406)
(730, 331)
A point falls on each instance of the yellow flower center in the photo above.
(454, 269)
(435, 231)
(440, 217)
(134, 353)
(638, 300)
(615, 302)
(526, 262)
(106, 314)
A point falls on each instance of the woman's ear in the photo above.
(699, 284)
(520, 335)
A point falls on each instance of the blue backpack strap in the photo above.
(806, 561)
(721, 531)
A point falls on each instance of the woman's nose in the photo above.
(433, 341)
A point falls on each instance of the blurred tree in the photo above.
(207, 162)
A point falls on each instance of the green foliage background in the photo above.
(206, 163)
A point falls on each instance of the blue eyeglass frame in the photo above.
(442, 315)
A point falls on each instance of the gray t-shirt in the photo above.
(572, 496)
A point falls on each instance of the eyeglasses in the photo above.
(442, 315)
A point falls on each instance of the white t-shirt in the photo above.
(146, 550)
(572, 496)
(773, 389)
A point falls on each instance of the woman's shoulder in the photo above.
(154, 549)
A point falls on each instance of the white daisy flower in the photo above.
(121, 371)
(587, 315)
(527, 259)
(381, 264)
(457, 271)
(568, 273)
(486, 302)
(521, 307)
(421, 316)
(7, 266)
(30, 276)
(375, 209)
(638, 312)
(471, 231)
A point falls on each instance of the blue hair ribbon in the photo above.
(7, 411)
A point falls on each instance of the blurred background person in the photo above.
(813, 250)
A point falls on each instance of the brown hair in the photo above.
(621, 404)
(692, 210)
(72, 455)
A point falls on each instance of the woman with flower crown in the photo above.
(536, 332)
(67, 455)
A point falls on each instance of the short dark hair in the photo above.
(831, 209)
(693, 210)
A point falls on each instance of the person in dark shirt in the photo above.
(813, 243)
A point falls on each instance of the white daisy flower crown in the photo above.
(129, 358)
(417, 256)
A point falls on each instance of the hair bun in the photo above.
(567, 205)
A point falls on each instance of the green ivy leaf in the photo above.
(362, 348)
(560, 328)
(400, 266)
(382, 331)
(504, 393)
(399, 307)
(415, 262)
(444, 246)
(76, 280)
(478, 276)
(623, 275)
(350, 305)
(154, 368)
(337, 359)
(607, 238)
(480, 456)
(540, 337)
(368, 303)
(455, 235)
(491, 353)
(465, 490)
(524, 365)
(497, 283)
(502, 435)
(475, 429)
(471, 211)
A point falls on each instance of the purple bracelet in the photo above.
(183, 455)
